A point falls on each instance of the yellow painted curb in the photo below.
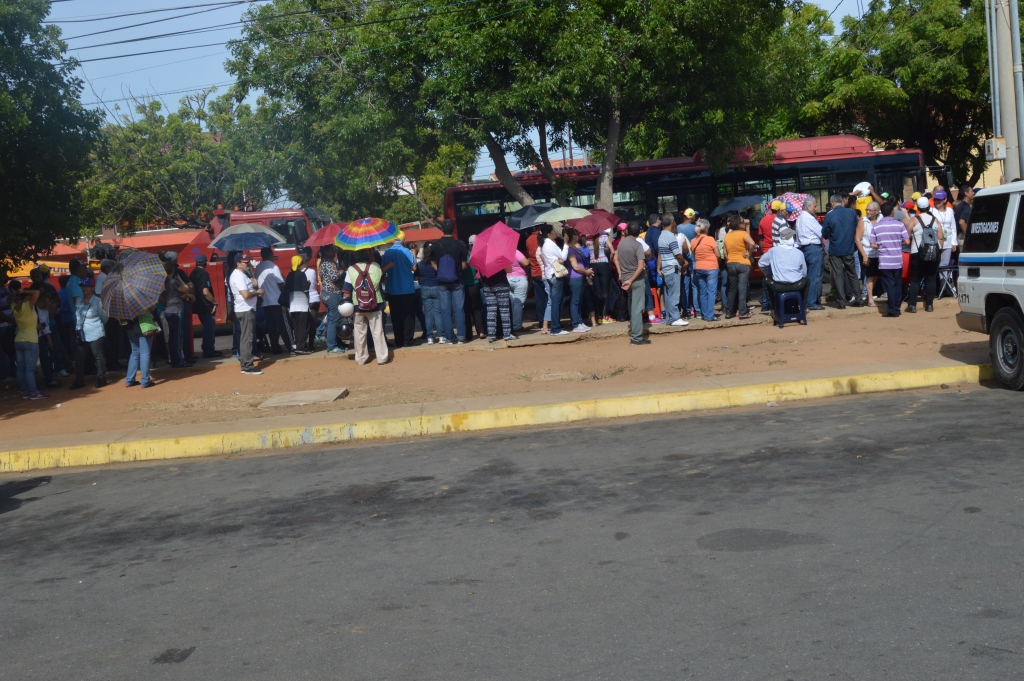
(485, 419)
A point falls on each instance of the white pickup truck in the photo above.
(991, 283)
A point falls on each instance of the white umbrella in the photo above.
(562, 214)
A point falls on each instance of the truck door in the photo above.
(1013, 259)
(981, 257)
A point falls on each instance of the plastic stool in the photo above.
(789, 307)
(947, 281)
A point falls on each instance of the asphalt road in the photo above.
(866, 538)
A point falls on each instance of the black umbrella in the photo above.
(739, 203)
(524, 218)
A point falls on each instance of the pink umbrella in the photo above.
(494, 249)
(598, 221)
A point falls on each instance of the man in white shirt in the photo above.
(947, 218)
(808, 240)
(245, 293)
(786, 267)
(269, 278)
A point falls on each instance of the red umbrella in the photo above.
(494, 249)
(597, 222)
(325, 235)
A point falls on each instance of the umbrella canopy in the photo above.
(243, 241)
(134, 286)
(494, 249)
(366, 233)
(325, 235)
(524, 218)
(249, 228)
(738, 203)
(796, 199)
(562, 214)
(595, 223)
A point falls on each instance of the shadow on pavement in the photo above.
(9, 490)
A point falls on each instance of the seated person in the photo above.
(786, 266)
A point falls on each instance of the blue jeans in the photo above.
(685, 282)
(672, 283)
(209, 324)
(174, 354)
(332, 301)
(540, 298)
(554, 304)
(432, 310)
(575, 297)
(453, 301)
(519, 286)
(27, 354)
(707, 285)
(813, 255)
(766, 304)
(692, 277)
(142, 346)
(723, 285)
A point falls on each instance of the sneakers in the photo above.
(36, 396)
(430, 341)
(654, 320)
(335, 351)
(510, 337)
(491, 339)
(63, 373)
(560, 332)
(252, 371)
(642, 341)
(442, 341)
(582, 328)
(680, 322)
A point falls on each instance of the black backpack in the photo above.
(928, 247)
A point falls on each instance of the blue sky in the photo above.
(170, 74)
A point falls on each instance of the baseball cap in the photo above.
(171, 255)
(777, 205)
(922, 204)
(472, 239)
(244, 258)
(884, 195)
(940, 195)
(909, 205)
(622, 226)
(790, 207)
(915, 196)
(200, 259)
(88, 281)
(787, 233)
(689, 212)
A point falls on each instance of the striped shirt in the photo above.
(890, 234)
(668, 249)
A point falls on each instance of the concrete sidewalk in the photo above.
(477, 413)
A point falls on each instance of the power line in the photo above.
(156, 66)
(146, 23)
(105, 17)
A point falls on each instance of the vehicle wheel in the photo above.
(1006, 346)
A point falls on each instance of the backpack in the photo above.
(366, 293)
(447, 269)
(928, 247)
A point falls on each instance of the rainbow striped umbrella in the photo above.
(366, 233)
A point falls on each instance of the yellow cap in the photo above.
(689, 212)
(777, 205)
(296, 260)
(400, 236)
(915, 196)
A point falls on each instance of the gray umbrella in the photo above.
(526, 217)
(738, 203)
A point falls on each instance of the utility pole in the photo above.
(1018, 81)
(1003, 79)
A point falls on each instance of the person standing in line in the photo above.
(579, 269)
(707, 257)
(947, 219)
(142, 347)
(296, 285)
(632, 269)
(739, 247)
(840, 228)
(448, 256)
(205, 307)
(474, 301)
(869, 255)
(245, 293)
(431, 292)
(26, 340)
(363, 288)
(890, 236)
(186, 338)
(331, 279)
(270, 279)
(8, 330)
(926, 243)
(540, 294)
(397, 265)
(688, 229)
(519, 282)
(174, 311)
(602, 275)
(553, 260)
(962, 212)
(89, 327)
(808, 240)
(314, 295)
(498, 302)
(764, 230)
(671, 265)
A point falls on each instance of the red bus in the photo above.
(819, 166)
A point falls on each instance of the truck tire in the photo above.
(1006, 347)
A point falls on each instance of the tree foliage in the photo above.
(45, 134)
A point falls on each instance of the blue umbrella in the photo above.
(244, 241)
(739, 203)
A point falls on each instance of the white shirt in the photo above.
(550, 253)
(239, 281)
(683, 241)
(947, 219)
(866, 240)
(268, 276)
(314, 292)
(808, 230)
(99, 279)
(787, 264)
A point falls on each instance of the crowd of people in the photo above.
(667, 269)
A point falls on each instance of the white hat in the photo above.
(923, 203)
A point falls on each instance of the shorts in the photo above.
(872, 269)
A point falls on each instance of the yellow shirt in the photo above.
(28, 322)
(736, 247)
(862, 204)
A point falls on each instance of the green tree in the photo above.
(909, 74)
(176, 168)
(45, 134)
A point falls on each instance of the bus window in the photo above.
(582, 200)
(668, 204)
(785, 184)
(482, 208)
(985, 229)
(726, 190)
(281, 227)
(697, 201)
(810, 181)
(754, 187)
(511, 206)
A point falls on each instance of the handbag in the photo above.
(559, 270)
(147, 326)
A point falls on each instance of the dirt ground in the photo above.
(837, 342)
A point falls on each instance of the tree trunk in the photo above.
(603, 196)
(545, 162)
(504, 174)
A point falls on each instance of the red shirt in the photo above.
(765, 227)
(531, 250)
